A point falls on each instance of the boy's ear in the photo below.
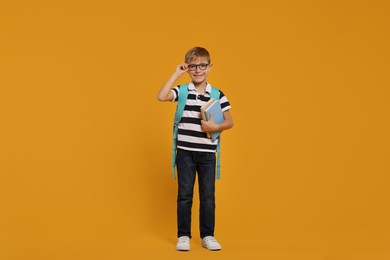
(210, 66)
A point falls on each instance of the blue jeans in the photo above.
(188, 163)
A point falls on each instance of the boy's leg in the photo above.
(186, 172)
(206, 175)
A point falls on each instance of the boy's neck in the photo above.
(201, 87)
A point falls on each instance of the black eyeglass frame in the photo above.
(202, 66)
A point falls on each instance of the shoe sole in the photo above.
(183, 248)
(212, 249)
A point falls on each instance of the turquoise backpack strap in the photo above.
(181, 103)
(215, 94)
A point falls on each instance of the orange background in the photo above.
(85, 147)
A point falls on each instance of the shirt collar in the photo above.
(191, 86)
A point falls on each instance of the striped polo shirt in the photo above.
(190, 134)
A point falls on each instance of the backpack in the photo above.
(181, 103)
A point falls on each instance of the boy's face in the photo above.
(199, 73)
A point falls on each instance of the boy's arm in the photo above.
(211, 126)
(165, 93)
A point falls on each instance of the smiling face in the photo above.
(199, 73)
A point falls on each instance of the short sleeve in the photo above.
(225, 105)
(175, 92)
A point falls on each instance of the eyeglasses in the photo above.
(193, 67)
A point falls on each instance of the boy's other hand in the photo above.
(209, 126)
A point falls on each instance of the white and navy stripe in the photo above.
(190, 134)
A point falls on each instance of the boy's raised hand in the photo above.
(165, 93)
(181, 69)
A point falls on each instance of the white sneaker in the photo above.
(183, 244)
(211, 243)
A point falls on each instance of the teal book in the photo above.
(212, 106)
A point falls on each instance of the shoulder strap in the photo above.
(215, 94)
(181, 103)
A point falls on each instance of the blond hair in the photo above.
(197, 52)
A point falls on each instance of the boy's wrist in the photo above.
(176, 75)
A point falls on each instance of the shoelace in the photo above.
(210, 239)
(183, 239)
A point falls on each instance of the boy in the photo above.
(196, 152)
